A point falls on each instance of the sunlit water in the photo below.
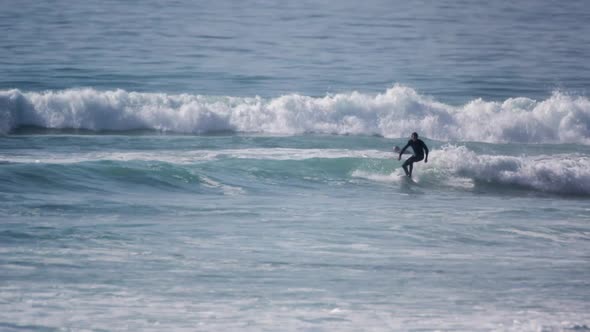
(210, 166)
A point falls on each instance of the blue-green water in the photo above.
(196, 166)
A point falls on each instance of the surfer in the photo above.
(420, 151)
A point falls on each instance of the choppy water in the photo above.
(206, 166)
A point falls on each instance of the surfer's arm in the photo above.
(425, 153)
(402, 151)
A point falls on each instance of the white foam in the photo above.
(226, 189)
(459, 167)
(395, 113)
(561, 173)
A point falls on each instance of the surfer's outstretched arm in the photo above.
(425, 153)
(402, 151)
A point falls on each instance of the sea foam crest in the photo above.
(562, 173)
(395, 113)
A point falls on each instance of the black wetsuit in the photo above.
(419, 149)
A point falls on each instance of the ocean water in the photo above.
(207, 166)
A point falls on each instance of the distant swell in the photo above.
(395, 113)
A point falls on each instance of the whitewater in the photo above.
(399, 110)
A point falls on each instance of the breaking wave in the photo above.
(448, 166)
(567, 174)
(398, 111)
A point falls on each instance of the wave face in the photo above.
(449, 167)
(400, 110)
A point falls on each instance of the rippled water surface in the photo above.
(455, 51)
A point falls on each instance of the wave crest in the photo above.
(395, 113)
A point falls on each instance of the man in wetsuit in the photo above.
(420, 149)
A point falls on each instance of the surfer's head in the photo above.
(414, 136)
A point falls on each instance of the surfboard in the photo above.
(397, 149)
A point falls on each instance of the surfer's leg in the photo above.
(407, 163)
(405, 167)
(415, 159)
